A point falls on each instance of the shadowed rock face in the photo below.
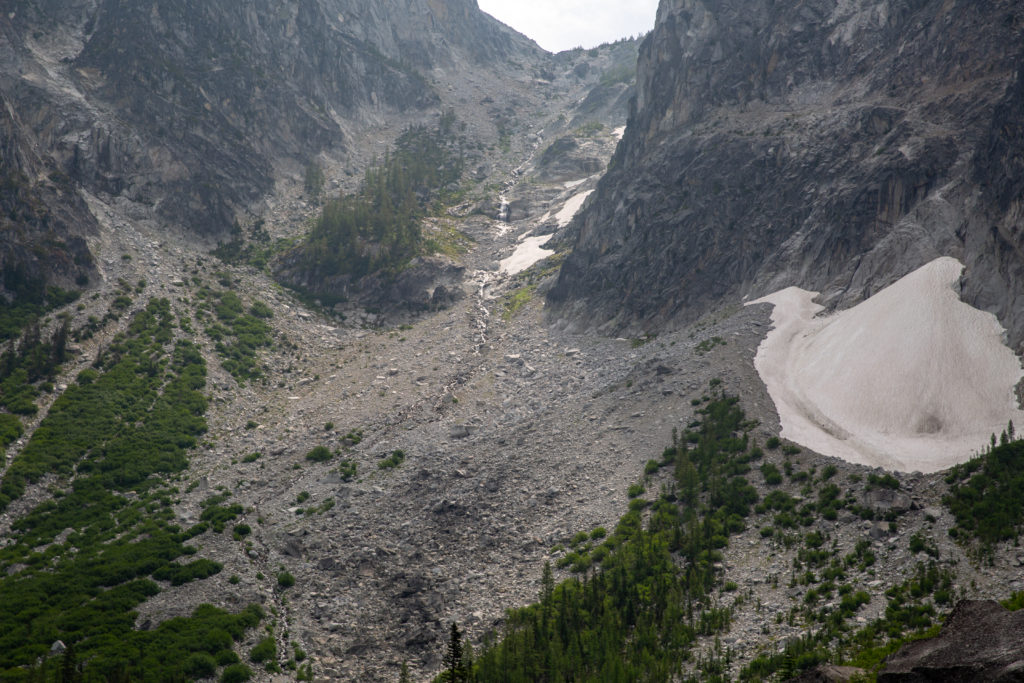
(981, 641)
(800, 143)
(195, 108)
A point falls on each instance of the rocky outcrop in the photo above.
(832, 147)
(426, 283)
(981, 641)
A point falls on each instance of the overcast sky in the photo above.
(559, 25)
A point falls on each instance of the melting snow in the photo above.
(619, 132)
(571, 208)
(910, 379)
(526, 254)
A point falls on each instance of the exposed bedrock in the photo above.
(835, 148)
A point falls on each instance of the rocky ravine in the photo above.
(517, 435)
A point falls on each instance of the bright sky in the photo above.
(559, 25)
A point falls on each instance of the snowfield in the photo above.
(910, 379)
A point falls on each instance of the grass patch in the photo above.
(514, 301)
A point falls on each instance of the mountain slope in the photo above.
(832, 147)
(189, 112)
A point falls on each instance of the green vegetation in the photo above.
(353, 438)
(238, 335)
(772, 475)
(512, 302)
(30, 300)
(347, 469)
(265, 650)
(910, 614)
(589, 129)
(884, 481)
(396, 458)
(10, 429)
(314, 182)
(636, 616)
(319, 454)
(622, 73)
(257, 250)
(236, 673)
(986, 496)
(76, 566)
(709, 344)
(377, 230)
(27, 365)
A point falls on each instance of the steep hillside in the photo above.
(831, 146)
(190, 112)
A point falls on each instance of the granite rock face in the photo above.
(981, 641)
(831, 146)
(193, 110)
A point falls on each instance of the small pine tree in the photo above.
(453, 657)
(547, 584)
(1010, 431)
(403, 675)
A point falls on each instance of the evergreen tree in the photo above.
(403, 675)
(453, 663)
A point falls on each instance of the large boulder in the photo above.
(981, 641)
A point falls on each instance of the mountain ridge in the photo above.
(832, 148)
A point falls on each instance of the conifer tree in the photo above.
(453, 657)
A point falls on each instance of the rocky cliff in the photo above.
(980, 641)
(831, 146)
(191, 111)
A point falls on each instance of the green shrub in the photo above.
(252, 457)
(236, 673)
(285, 580)
(773, 442)
(181, 574)
(319, 454)
(772, 475)
(347, 469)
(265, 650)
(885, 481)
(226, 657)
(200, 665)
(396, 458)
(635, 490)
(261, 310)
(10, 429)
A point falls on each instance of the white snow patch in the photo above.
(571, 208)
(526, 254)
(569, 184)
(910, 379)
(619, 132)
